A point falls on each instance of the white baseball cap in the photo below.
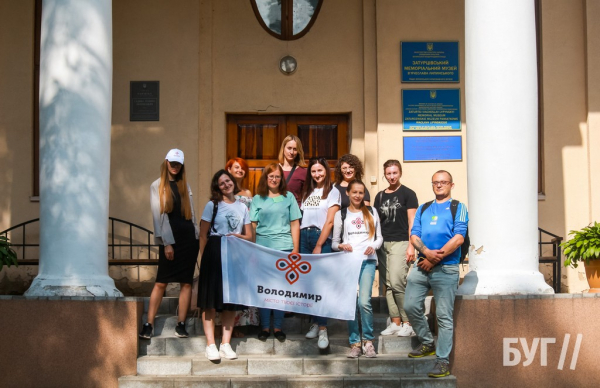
(175, 155)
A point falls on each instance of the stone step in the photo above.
(295, 344)
(324, 381)
(298, 324)
(169, 305)
(275, 365)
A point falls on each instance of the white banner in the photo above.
(322, 285)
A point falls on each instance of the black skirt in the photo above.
(186, 248)
(210, 286)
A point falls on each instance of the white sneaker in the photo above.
(323, 339)
(313, 332)
(225, 351)
(406, 330)
(212, 353)
(392, 329)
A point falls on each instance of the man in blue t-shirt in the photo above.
(438, 238)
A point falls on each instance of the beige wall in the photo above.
(406, 21)
(245, 77)
(213, 58)
(16, 112)
(566, 133)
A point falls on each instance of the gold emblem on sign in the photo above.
(429, 46)
(433, 94)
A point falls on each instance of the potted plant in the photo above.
(7, 255)
(584, 247)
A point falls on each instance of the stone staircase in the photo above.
(167, 361)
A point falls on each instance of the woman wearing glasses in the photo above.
(349, 168)
(320, 202)
(396, 206)
(291, 159)
(176, 232)
(275, 218)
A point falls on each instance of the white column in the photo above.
(75, 123)
(502, 109)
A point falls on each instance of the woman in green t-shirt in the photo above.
(275, 216)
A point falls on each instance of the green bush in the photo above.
(7, 255)
(583, 246)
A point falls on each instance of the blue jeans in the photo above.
(365, 286)
(265, 315)
(443, 280)
(265, 318)
(308, 241)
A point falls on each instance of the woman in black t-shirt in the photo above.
(349, 168)
(396, 206)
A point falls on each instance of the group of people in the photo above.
(297, 208)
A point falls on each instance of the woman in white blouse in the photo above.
(356, 228)
(320, 201)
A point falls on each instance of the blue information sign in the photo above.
(431, 109)
(432, 148)
(429, 61)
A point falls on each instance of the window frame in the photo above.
(287, 20)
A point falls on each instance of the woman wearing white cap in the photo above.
(176, 231)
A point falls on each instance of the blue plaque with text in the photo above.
(432, 148)
(431, 109)
(429, 61)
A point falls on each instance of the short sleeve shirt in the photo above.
(315, 208)
(273, 217)
(392, 209)
(231, 217)
(296, 183)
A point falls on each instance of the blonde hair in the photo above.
(166, 195)
(299, 159)
(365, 211)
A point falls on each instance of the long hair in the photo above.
(244, 165)
(263, 187)
(365, 211)
(309, 182)
(354, 162)
(215, 191)
(166, 195)
(299, 159)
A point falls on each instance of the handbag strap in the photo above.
(291, 173)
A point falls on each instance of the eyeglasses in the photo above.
(274, 178)
(440, 183)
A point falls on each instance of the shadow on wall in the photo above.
(68, 343)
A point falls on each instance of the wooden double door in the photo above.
(258, 138)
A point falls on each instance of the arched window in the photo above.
(286, 19)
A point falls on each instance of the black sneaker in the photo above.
(146, 332)
(180, 330)
(422, 351)
(441, 369)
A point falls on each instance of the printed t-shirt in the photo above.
(273, 217)
(392, 209)
(296, 183)
(315, 209)
(231, 217)
(356, 233)
(346, 199)
(435, 227)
